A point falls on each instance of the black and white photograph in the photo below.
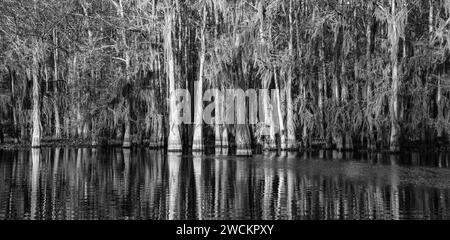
(246, 110)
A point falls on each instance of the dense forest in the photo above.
(354, 74)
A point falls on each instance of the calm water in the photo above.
(66, 183)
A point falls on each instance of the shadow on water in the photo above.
(110, 183)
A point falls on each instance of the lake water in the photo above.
(68, 183)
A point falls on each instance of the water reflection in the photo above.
(65, 183)
(35, 162)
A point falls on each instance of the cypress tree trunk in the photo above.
(337, 135)
(72, 127)
(281, 129)
(321, 83)
(291, 139)
(395, 85)
(302, 82)
(219, 96)
(127, 133)
(55, 88)
(86, 130)
(269, 142)
(243, 140)
(198, 118)
(394, 110)
(225, 144)
(344, 97)
(174, 140)
(79, 124)
(224, 127)
(439, 101)
(218, 120)
(36, 113)
(152, 132)
(440, 109)
(348, 134)
(161, 136)
(242, 130)
(14, 110)
(156, 132)
(370, 118)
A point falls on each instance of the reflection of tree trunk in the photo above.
(225, 185)
(241, 188)
(174, 162)
(268, 191)
(149, 179)
(126, 172)
(291, 180)
(395, 201)
(198, 186)
(217, 179)
(54, 183)
(281, 190)
(302, 199)
(79, 170)
(35, 162)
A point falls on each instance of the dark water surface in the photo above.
(67, 183)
